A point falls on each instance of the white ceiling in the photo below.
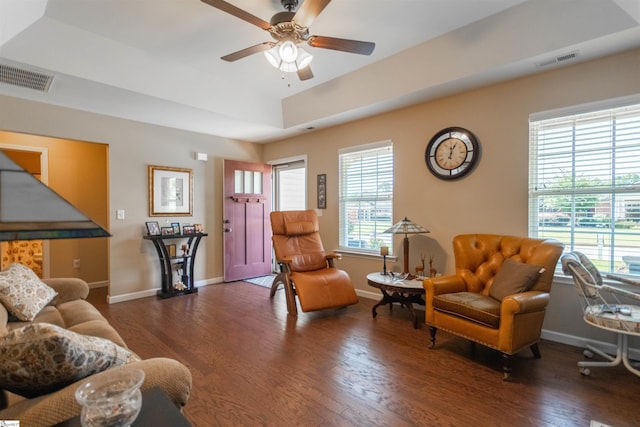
(158, 61)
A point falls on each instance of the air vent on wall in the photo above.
(558, 59)
(25, 78)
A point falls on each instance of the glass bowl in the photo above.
(113, 399)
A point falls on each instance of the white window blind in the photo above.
(584, 185)
(366, 196)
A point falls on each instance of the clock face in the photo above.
(452, 153)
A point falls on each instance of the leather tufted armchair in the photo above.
(306, 270)
(498, 294)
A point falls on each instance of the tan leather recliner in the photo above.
(465, 305)
(306, 270)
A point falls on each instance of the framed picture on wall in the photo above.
(170, 191)
(322, 191)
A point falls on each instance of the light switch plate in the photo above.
(120, 214)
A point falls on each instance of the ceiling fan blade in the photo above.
(305, 73)
(308, 12)
(238, 13)
(248, 51)
(344, 45)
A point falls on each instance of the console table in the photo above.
(185, 261)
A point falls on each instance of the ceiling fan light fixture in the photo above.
(288, 51)
(276, 58)
(304, 59)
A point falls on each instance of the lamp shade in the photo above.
(30, 210)
(406, 226)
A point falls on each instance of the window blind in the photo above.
(584, 184)
(366, 196)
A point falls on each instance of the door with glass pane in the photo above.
(290, 186)
(247, 231)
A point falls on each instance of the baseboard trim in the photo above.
(153, 292)
(582, 342)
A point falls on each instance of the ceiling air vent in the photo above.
(25, 78)
(558, 59)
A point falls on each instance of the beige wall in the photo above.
(493, 198)
(78, 172)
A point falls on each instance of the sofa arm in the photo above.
(169, 375)
(68, 289)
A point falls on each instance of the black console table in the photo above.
(185, 261)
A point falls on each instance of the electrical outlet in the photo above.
(76, 263)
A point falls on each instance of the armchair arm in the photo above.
(619, 291)
(524, 302)
(330, 257)
(444, 285)
(68, 289)
(437, 286)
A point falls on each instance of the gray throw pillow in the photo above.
(514, 277)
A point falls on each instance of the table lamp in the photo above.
(406, 227)
(29, 210)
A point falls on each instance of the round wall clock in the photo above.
(452, 153)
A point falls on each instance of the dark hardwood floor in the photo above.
(253, 365)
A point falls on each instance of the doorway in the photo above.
(290, 185)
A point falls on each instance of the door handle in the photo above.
(228, 230)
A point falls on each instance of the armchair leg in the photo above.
(536, 351)
(432, 333)
(506, 366)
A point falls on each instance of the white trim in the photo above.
(576, 341)
(589, 107)
(153, 292)
(368, 146)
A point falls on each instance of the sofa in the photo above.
(53, 340)
(498, 295)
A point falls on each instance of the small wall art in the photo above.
(322, 191)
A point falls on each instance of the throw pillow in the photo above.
(41, 358)
(23, 293)
(514, 277)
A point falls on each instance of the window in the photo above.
(366, 196)
(584, 183)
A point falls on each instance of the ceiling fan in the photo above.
(291, 29)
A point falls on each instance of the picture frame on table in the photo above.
(176, 227)
(188, 229)
(153, 228)
(199, 228)
(170, 191)
(167, 231)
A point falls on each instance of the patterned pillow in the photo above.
(22, 292)
(41, 358)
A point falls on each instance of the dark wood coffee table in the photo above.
(405, 292)
(157, 410)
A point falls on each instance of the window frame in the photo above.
(383, 196)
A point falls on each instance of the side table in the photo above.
(157, 410)
(405, 292)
